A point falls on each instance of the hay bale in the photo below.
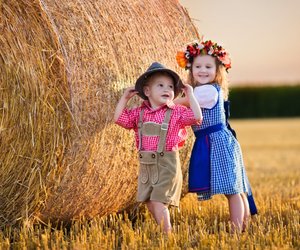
(63, 66)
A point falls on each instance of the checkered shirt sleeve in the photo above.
(129, 118)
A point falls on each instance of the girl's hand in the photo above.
(129, 93)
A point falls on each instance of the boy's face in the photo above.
(204, 69)
(159, 90)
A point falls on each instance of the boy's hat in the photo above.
(154, 68)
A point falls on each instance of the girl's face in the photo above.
(204, 69)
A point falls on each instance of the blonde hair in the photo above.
(221, 78)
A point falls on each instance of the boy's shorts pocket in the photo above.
(148, 166)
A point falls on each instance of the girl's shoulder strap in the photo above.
(217, 86)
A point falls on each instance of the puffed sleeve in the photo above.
(207, 96)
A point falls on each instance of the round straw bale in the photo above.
(63, 67)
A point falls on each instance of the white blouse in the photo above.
(206, 95)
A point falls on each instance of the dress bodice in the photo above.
(215, 115)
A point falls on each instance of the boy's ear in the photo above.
(146, 90)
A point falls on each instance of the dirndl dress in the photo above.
(216, 165)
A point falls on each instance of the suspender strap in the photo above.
(163, 131)
(140, 124)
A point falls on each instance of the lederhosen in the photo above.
(160, 176)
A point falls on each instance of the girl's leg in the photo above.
(247, 213)
(236, 210)
(161, 214)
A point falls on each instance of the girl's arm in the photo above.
(193, 103)
(128, 94)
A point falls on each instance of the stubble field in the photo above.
(271, 151)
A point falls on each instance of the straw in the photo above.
(63, 67)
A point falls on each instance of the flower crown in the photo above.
(185, 58)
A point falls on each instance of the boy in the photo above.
(159, 127)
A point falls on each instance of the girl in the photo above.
(159, 127)
(216, 165)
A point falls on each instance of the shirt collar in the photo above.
(147, 105)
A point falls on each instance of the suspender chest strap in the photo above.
(162, 131)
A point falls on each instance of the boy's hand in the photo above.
(193, 103)
(185, 99)
(129, 93)
(188, 89)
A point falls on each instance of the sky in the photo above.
(261, 36)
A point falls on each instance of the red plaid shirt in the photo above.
(181, 117)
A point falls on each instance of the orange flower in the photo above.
(181, 60)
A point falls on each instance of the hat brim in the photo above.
(140, 83)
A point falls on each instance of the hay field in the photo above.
(272, 154)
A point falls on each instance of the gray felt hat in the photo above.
(154, 68)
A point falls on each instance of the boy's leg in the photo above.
(150, 207)
(236, 210)
(161, 214)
